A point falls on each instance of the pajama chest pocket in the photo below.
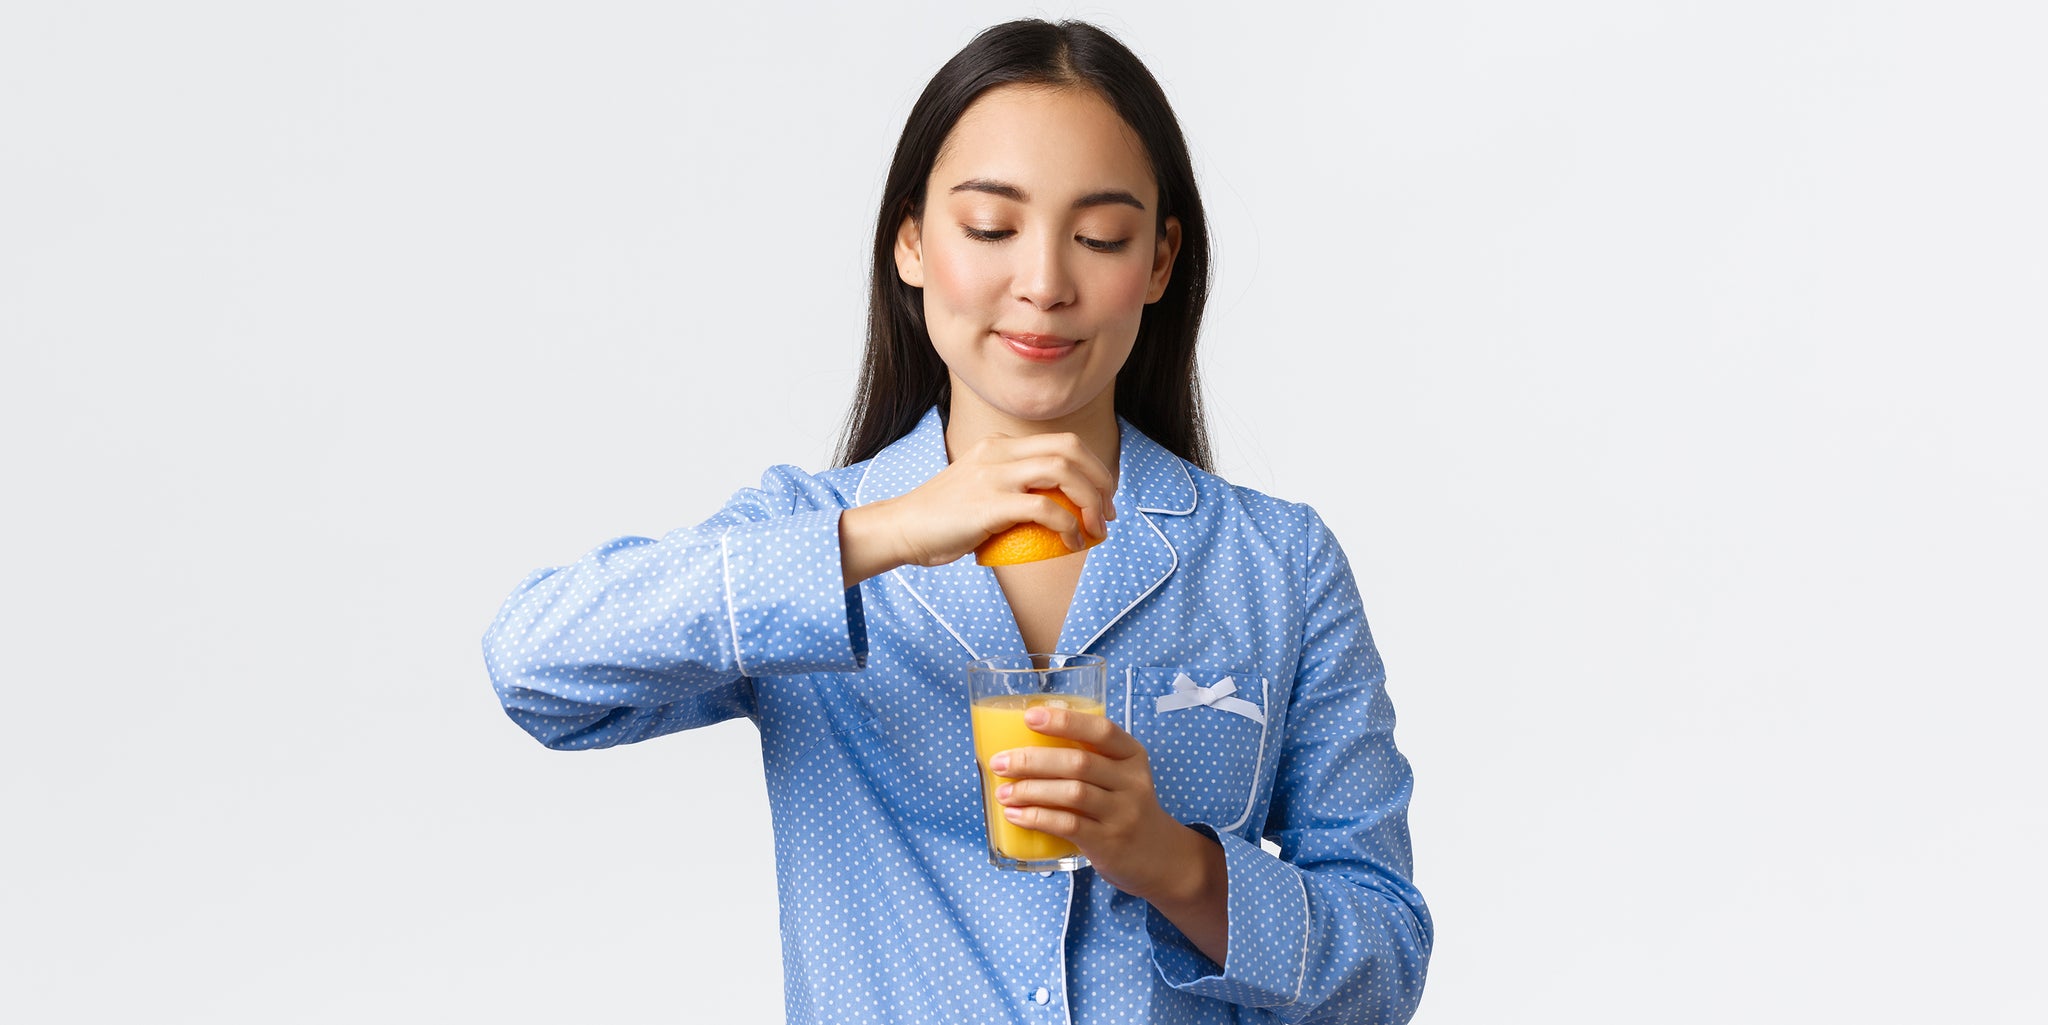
(1204, 733)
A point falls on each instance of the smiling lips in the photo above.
(1040, 348)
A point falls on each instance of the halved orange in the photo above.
(1030, 542)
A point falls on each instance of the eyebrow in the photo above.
(1101, 197)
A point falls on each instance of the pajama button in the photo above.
(1040, 996)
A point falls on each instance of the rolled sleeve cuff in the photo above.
(788, 610)
(1269, 929)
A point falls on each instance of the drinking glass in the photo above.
(999, 690)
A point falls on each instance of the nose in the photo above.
(1042, 277)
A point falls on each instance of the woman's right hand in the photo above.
(983, 491)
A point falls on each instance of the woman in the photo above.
(1040, 270)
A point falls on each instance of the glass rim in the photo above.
(1074, 660)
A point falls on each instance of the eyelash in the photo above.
(1097, 245)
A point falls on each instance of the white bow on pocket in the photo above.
(1187, 694)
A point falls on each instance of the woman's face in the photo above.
(1038, 250)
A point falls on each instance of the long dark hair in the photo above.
(901, 375)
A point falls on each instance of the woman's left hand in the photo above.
(1100, 798)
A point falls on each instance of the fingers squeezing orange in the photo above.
(1030, 542)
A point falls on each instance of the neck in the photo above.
(969, 420)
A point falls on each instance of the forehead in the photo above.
(1059, 142)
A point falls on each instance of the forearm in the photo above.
(1196, 895)
(869, 544)
(641, 638)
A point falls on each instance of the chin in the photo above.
(1020, 402)
(1040, 409)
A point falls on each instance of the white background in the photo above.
(1670, 371)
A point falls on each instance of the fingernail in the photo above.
(1003, 792)
(1035, 717)
(1013, 814)
(1000, 762)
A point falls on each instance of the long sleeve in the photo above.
(641, 638)
(1334, 930)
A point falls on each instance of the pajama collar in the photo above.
(1122, 571)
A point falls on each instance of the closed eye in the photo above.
(997, 235)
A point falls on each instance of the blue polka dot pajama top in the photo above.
(1239, 656)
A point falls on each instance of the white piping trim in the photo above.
(905, 581)
(1127, 697)
(859, 493)
(731, 620)
(1194, 496)
(1066, 998)
(1258, 762)
(863, 485)
(1124, 430)
(1148, 591)
(1301, 879)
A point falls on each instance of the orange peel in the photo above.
(1030, 542)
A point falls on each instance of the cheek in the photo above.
(959, 277)
(1124, 286)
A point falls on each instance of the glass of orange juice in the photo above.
(999, 690)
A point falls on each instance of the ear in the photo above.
(1162, 259)
(910, 252)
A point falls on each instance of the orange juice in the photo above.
(998, 723)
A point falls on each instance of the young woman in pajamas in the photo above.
(1041, 263)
